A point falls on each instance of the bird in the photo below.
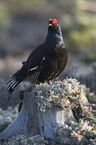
(45, 62)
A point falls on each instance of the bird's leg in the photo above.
(32, 85)
(45, 82)
(49, 82)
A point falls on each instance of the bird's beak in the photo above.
(49, 24)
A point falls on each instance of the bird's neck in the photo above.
(53, 39)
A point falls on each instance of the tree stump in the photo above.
(31, 121)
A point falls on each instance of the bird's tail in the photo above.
(16, 78)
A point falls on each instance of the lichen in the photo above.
(22, 140)
(7, 116)
(76, 133)
(66, 93)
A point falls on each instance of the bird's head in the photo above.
(54, 34)
(53, 25)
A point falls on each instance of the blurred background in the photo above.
(24, 24)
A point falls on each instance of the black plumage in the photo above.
(46, 61)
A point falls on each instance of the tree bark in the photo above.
(31, 121)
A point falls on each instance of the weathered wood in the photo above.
(31, 121)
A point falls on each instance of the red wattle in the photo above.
(54, 21)
(49, 20)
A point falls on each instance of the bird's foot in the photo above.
(49, 82)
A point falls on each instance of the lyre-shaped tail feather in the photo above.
(16, 78)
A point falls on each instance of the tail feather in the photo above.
(12, 86)
(16, 79)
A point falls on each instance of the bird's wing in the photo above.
(35, 63)
(35, 57)
(35, 72)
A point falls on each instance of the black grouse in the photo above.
(45, 62)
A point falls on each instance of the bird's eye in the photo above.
(50, 20)
(54, 21)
